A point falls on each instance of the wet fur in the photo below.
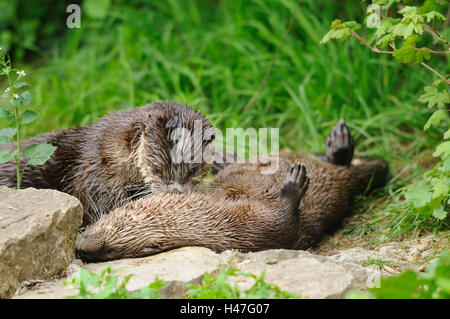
(241, 209)
(107, 163)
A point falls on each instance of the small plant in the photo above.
(398, 33)
(432, 284)
(377, 262)
(19, 115)
(106, 285)
(215, 287)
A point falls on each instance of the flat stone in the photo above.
(299, 272)
(302, 273)
(176, 267)
(38, 229)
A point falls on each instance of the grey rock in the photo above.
(176, 267)
(302, 273)
(38, 229)
(299, 272)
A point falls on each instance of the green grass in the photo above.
(214, 55)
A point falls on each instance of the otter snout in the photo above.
(176, 188)
(81, 254)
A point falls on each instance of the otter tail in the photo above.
(368, 173)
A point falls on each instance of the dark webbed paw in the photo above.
(295, 183)
(340, 145)
(222, 159)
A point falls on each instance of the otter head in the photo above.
(124, 233)
(174, 149)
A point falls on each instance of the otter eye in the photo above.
(153, 247)
(156, 171)
(193, 172)
(111, 251)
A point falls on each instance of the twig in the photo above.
(436, 72)
(437, 34)
(272, 64)
(434, 52)
(373, 48)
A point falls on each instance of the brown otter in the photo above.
(241, 209)
(124, 155)
(166, 221)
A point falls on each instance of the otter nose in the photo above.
(80, 254)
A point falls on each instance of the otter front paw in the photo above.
(340, 145)
(222, 159)
(295, 183)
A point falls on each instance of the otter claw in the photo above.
(340, 145)
(295, 182)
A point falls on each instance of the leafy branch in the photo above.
(429, 197)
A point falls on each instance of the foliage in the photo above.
(19, 99)
(28, 26)
(106, 285)
(215, 287)
(213, 56)
(430, 196)
(434, 283)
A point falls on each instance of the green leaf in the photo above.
(6, 156)
(430, 16)
(434, 97)
(38, 154)
(7, 134)
(402, 30)
(446, 165)
(428, 5)
(408, 54)
(340, 30)
(397, 287)
(14, 102)
(384, 41)
(447, 134)
(25, 98)
(440, 213)
(443, 150)
(20, 84)
(440, 188)
(385, 25)
(419, 194)
(435, 119)
(28, 116)
(6, 70)
(6, 114)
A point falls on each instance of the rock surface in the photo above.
(299, 272)
(38, 229)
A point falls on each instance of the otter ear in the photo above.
(209, 135)
(157, 119)
(134, 133)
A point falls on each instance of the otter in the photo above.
(166, 221)
(124, 155)
(242, 208)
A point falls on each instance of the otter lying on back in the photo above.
(242, 209)
(123, 155)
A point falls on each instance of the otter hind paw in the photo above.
(295, 183)
(340, 145)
